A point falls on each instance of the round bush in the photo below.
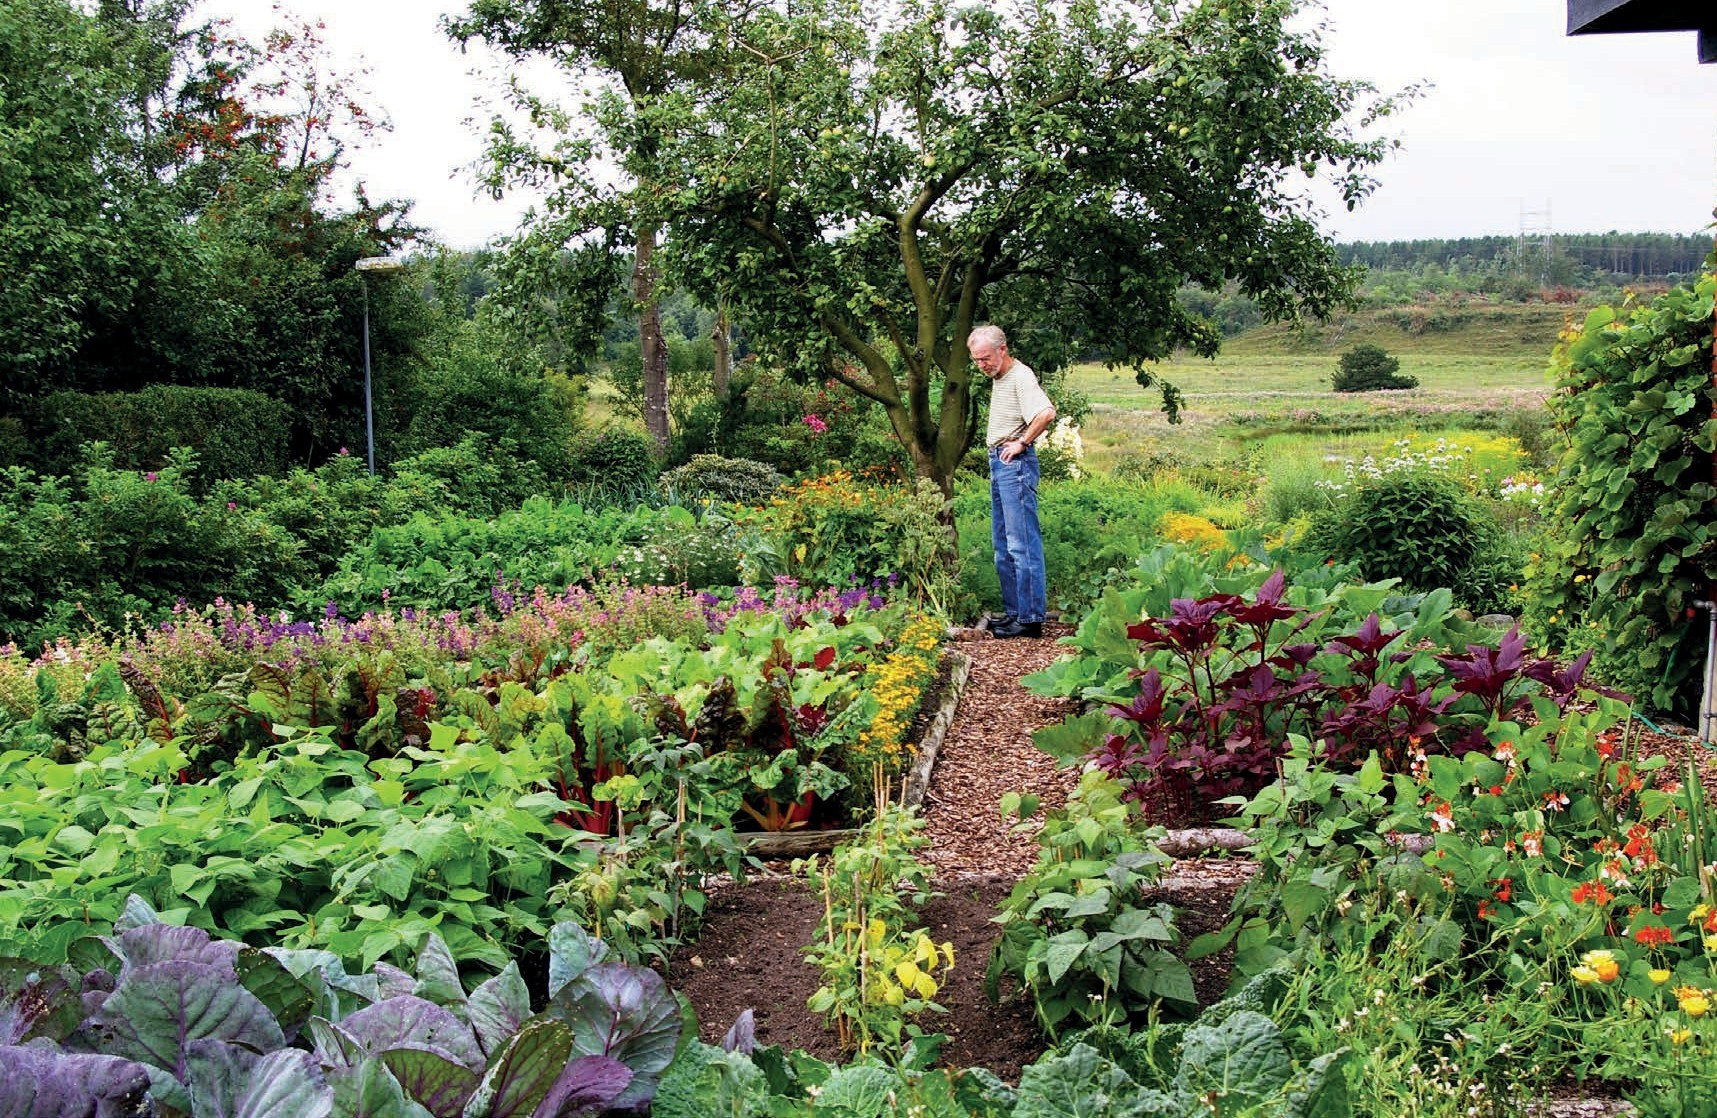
(618, 458)
(1420, 528)
(712, 477)
(1368, 367)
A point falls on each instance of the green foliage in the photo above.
(712, 477)
(538, 416)
(1552, 906)
(1366, 368)
(838, 531)
(118, 545)
(452, 561)
(164, 220)
(1107, 662)
(235, 433)
(618, 460)
(845, 191)
(1074, 930)
(473, 475)
(61, 123)
(1417, 527)
(357, 804)
(1632, 551)
(769, 417)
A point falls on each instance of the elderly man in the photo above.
(1019, 413)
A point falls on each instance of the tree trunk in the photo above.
(723, 353)
(652, 348)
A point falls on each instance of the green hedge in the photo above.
(235, 432)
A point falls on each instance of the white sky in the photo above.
(1581, 135)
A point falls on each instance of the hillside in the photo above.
(1525, 331)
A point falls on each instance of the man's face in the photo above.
(991, 359)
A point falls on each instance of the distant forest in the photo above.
(1600, 257)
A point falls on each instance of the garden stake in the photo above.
(1708, 706)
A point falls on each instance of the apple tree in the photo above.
(869, 181)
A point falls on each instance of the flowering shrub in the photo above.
(1061, 452)
(1195, 531)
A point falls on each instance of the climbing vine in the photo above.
(1632, 550)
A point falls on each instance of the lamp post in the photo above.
(365, 266)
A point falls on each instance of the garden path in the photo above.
(987, 753)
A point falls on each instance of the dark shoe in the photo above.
(1018, 629)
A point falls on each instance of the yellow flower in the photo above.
(1602, 965)
(1680, 1036)
(1694, 1004)
(1658, 976)
(1585, 976)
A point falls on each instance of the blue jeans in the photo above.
(1014, 532)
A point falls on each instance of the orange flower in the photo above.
(1592, 891)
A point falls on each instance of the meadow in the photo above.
(1474, 369)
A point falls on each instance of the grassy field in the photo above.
(1272, 381)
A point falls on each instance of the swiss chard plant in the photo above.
(164, 1019)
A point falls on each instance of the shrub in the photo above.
(1414, 526)
(619, 460)
(796, 428)
(110, 546)
(236, 433)
(540, 417)
(711, 477)
(1366, 368)
(1531, 428)
(475, 475)
(839, 531)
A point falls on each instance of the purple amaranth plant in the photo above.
(1231, 680)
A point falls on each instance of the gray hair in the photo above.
(988, 333)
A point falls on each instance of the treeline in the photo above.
(1609, 257)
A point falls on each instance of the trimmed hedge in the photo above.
(235, 432)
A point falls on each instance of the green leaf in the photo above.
(1244, 1057)
(1082, 1084)
(862, 1091)
(1061, 952)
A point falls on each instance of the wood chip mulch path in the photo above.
(988, 753)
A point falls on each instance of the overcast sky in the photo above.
(1522, 125)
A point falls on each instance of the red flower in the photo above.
(1592, 891)
(1654, 935)
(1504, 889)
